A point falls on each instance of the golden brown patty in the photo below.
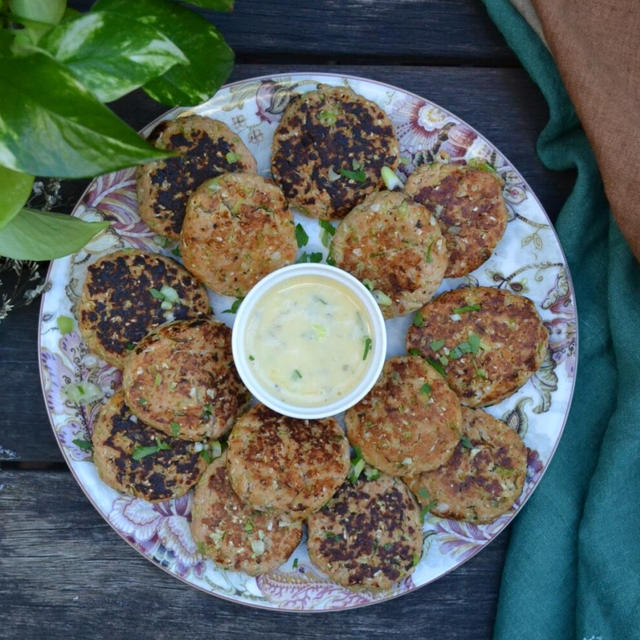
(395, 247)
(234, 535)
(488, 342)
(329, 149)
(207, 149)
(129, 292)
(132, 457)
(238, 228)
(368, 535)
(483, 478)
(181, 380)
(285, 464)
(469, 206)
(409, 422)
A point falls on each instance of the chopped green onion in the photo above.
(310, 257)
(234, 306)
(169, 293)
(205, 454)
(295, 563)
(157, 380)
(367, 347)
(470, 307)
(426, 389)
(65, 324)
(414, 352)
(356, 176)
(474, 342)
(418, 320)
(390, 179)
(85, 445)
(465, 442)
(382, 298)
(428, 253)
(175, 428)
(216, 448)
(436, 345)
(301, 236)
(82, 393)
(296, 374)
(371, 473)
(251, 358)
(328, 117)
(143, 452)
(257, 546)
(176, 251)
(232, 157)
(437, 366)
(248, 525)
(328, 231)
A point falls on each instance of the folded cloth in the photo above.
(573, 563)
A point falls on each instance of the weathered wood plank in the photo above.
(502, 104)
(386, 31)
(63, 569)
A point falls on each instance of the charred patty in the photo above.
(128, 293)
(488, 342)
(395, 247)
(206, 148)
(329, 149)
(181, 379)
(132, 457)
(238, 228)
(483, 477)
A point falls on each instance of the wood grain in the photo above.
(64, 570)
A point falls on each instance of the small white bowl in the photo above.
(376, 356)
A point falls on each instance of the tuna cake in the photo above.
(483, 477)
(129, 292)
(234, 535)
(207, 148)
(238, 228)
(395, 247)
(469, 206)
(409, 422)
(328, 151)
(488, 342)
(369, 535)
(283, 464)
(132, 457)
(181, 379)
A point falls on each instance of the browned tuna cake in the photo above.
(409, 422)
(238, 228)
(469, 206)
(129, 292)
(207, 149)
(285, 464)
(488, 342)
(180, 379)
(395, 247)
(369, 535)
(483, 478)
(135, 458)
(234, 535)
(329, 149)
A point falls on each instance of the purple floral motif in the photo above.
(272, 99)
(55, 376)
(70, 431)
(160, 530)
(562, 328)
(303, 588)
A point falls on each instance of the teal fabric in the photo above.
(573, 563)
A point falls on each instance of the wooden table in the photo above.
(63, 571)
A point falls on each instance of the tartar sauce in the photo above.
(309, 341)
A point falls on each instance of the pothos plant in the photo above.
(58, 68)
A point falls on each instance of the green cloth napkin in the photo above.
(573, 563)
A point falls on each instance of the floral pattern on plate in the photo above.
(528, 260)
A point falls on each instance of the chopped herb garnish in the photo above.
(330, 260)
(436, 345)
(295, 563)
(156, 294)
(357, 176)
(234, 306)
(428, 252)
(332, 536)
(382, 298)
(357, 465)
(216, 448)
(296, 374)
(65, 324)
(176, 251)
(310, 257)
(415, 352)
(465, 442)
(390, 179)
(370, 473)
(85, 445)
(301, 236)
(205, 454)
(328, 230)
(157, 380)
(130, 346)
(426, 389)
(142, 401)
(207, 411)
(143, 452)
(328, 117)
(416, 558)
(248, 525)
(423, 494)
(175, 428)
(467, 309)
(480, 373)
(251, 358)
(437, 366)
(232, 157)
(474, 342)
(418, 320)
(367, 347)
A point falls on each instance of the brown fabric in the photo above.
(596, 45)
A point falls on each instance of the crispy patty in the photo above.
(329, 149)
(135, 458)
(395, 247)
(238, 228)
(409, 422)
(368, 535)
(483, 478)
(129, 292)
(207, 149)
(234, 535)
(487, 341)
(181, 379)
(285, 464)
(469, 206)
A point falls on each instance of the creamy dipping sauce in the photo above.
(309, 341)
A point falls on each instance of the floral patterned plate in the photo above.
(528, 260)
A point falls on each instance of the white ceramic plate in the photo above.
(528, 260)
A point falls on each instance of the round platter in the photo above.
(528, 260)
